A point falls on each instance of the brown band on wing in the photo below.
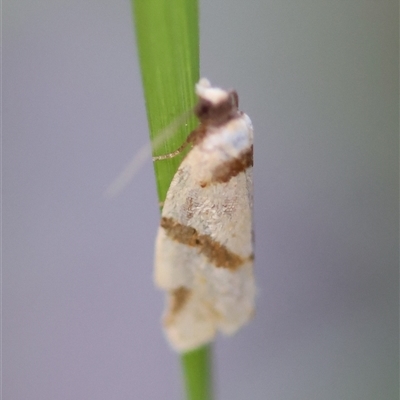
(214, 251)
(227, 170)
(179, 297)
(177, 300)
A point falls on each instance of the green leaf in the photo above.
(198, 375)
(167, 33)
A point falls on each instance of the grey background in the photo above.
(80, 314)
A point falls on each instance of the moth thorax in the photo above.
(217, 113)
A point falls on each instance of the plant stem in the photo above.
(167, 36)
(198, 374)
(168, 43)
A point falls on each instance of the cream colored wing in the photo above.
(204, 254)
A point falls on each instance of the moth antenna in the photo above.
(173, 154)
(144, 153)
(128, 173)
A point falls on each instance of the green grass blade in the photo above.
(167, 35)
(198, 374)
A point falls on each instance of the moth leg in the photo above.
(194, 137)
(173, 154)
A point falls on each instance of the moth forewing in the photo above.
(204, 248)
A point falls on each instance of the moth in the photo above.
(204, 246)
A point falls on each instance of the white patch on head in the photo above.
(213, 94)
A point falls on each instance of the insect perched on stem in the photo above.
(204, 247)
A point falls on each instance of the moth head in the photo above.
(215, 106)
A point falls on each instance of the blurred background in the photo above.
(80, 313)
